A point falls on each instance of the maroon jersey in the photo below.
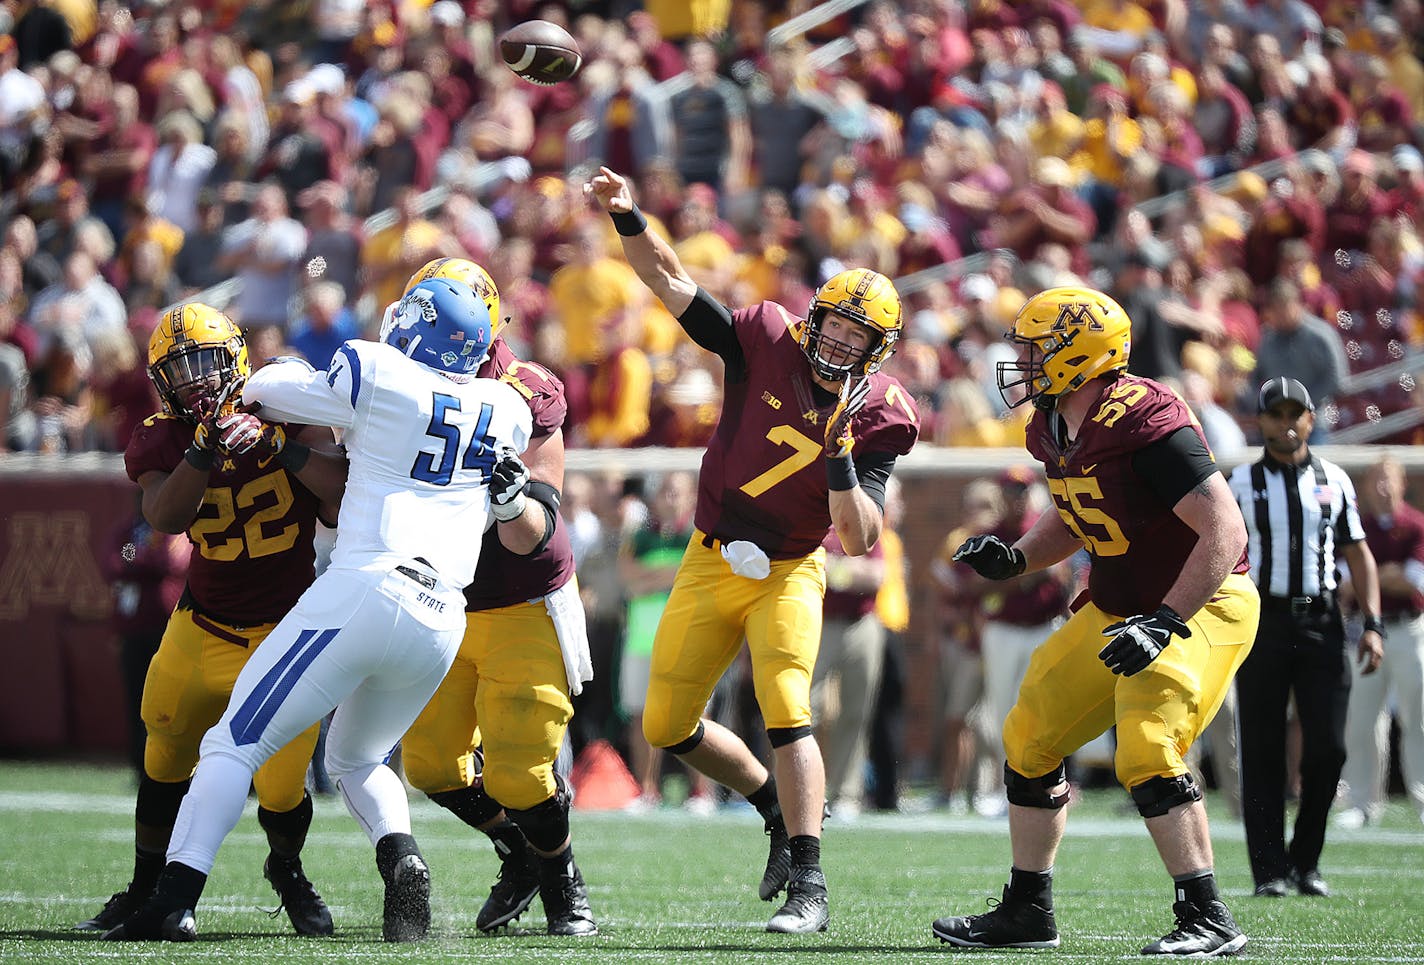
(849, 604)
(252, 551)
(763, 476)
(503, 578)
(1400, 541)
(1027, 601)
(1137, 543)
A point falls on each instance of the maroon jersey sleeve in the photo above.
(539, 387)
(763, 476)
(503, 578)
(157, 445)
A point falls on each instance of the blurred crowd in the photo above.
(1245, 177)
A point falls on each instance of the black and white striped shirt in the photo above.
(1296, 517)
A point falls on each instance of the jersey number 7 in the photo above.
(479, 451)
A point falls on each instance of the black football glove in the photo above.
(506, 486)
(991, 557)
(1138, 640)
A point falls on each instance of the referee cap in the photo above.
(1282, 389)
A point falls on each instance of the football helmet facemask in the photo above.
(865, 297)
(197, 357)
(443, 324)
(1065, 336)
(463, 270)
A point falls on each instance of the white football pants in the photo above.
(1367, 722)
(375, 646)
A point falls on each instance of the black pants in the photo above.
(1304, 655)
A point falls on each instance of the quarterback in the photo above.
(374, 635)
(250, 520)
(524, 654)
(1152, 646)
(809, 433)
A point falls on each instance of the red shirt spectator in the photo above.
(1360, 205)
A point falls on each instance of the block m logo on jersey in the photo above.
(256, 711)
(49, 563)
(1076, 313)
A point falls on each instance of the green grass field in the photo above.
(668, 887)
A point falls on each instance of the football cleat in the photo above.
(1274, 888)
(1010, 923)
(1201, 932)
(116, 909)
(807, 909)
(304, 906)
(1310, 883)
(155, 921)
(778, 859)
(565, 898)
(407, 906)
(513, 891)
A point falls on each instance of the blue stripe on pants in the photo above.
(256, 711)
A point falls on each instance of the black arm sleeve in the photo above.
(1174, 465)
(873, 471)
(709, 323)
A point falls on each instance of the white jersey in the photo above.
(420, 445)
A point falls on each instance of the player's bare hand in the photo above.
(1370, 653)
(610, 189)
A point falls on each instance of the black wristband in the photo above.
(629, 223)
(840, 473)
(1374, 623)
(294, 455)
(200, 459)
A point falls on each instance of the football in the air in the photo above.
(541, 52)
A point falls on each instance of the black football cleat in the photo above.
(513, 892)
(1202, 932)
(807, 909)
(407, 907)
(304, 906)
(118, 908)
(155, 921)
(778, 860)
(1010, 923)
(1271, 888)
(1310, 883)
(565, 897)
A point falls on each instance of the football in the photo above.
(541, 52)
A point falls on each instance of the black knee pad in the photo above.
(683, 746)
(546, 825)
(470, 804)
(158, 802)
(287, 824)
(1036, 792)
(1157, 796)
(781, 736)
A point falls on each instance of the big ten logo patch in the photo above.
(771, 400)
(48, 562)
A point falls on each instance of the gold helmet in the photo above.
(463, 270)
(865, 297)
(1072, 335)
(197, 357)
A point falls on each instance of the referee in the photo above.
(1300, 510)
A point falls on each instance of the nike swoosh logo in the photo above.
(264, 463)
(1088, 470)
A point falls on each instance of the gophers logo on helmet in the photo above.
(862, 296)
(196, 357)
(1067, 337)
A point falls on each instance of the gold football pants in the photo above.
(507, 689)
(185, 693)
(1069, 696)
(709, 611)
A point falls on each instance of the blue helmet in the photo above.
(443, 324)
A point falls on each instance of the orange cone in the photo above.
(602, 782)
